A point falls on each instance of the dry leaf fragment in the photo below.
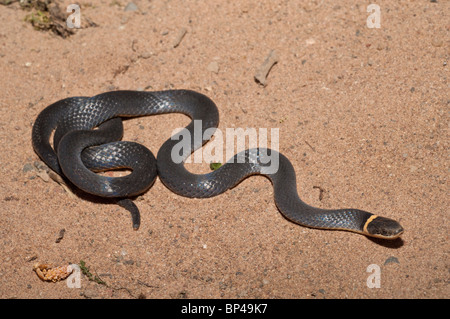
(47, 272)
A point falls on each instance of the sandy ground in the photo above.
(362, 113)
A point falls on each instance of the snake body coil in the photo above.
(80, 151)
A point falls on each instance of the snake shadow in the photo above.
(90, 197)
(388, 243)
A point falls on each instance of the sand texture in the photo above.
(362, 113)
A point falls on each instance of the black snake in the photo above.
(87, 139)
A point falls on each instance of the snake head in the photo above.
(383, 227)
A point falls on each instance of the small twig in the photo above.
(306, 142)
(179, 37)
(133, 45)
(61, 182)
(263, 71)
(146, 284)
(60, 236)
(321, 191)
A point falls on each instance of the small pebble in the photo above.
(44, 176)
(437, 42)
(27, 167)
(146, 55)
(130, 7)
(213, 67)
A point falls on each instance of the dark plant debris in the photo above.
(47, 15)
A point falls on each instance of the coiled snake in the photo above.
(80, 150)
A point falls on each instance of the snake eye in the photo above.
(385, 228)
